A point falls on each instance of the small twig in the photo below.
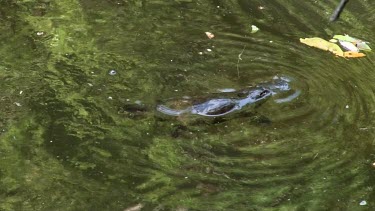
(222, 174)
(316, 155)
(338, 10)
(238, 61)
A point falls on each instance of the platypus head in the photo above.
(259, 94)
(279, 84)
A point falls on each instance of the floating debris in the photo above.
(350, 46)
(350, 54)
(363, 46)
(254, 29)
(137, 207)
(363, 203)
(360, 44)
(210, 35)
(40, 33)
(333, 40)
(320, 43)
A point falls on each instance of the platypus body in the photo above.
(216, 107)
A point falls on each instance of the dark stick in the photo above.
(338, 10)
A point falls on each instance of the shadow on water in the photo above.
(74, 137)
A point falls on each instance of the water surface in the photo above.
(72, 139)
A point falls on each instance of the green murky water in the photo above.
(69, 141)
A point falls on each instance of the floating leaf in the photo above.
(363, 46)
(323, 44)
(349, 46)
(346, 38)
(360, 44)
(333, 40)
(351, 54)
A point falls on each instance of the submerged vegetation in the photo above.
(68, 142)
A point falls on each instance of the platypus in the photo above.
(219, 106)
(216, 107)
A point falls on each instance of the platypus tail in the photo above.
(169, 111)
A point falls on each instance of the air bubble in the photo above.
(112, 72)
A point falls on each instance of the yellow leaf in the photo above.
(323, 44)
(352, 54)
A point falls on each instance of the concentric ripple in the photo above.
(90, 140)
(312, 152)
